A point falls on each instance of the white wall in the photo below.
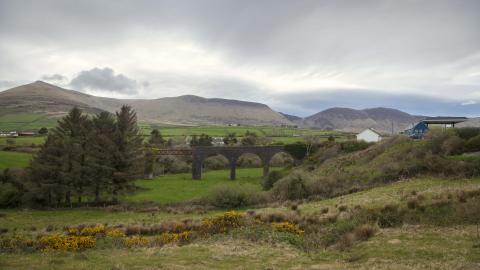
(368, 136)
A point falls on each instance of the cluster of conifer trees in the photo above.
(96, 157)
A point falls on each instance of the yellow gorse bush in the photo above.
(114, 233)
(223, 223)
(137, 241)
(287, 227)
(16, 242)
(167, 238)
(96, 230)
(65, 243)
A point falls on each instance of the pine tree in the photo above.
(128, 155)
(102, 153)
(156, 138)
(47, 185)
(73, 131)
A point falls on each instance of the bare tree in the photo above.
(310, 140)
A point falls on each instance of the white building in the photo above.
(369, 135)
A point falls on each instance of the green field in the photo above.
(37, 140)
(268, 131)
(25, 122)
(181, 187)
(14, 160)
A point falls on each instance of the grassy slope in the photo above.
(407, 247)
(181, 187)
(13, 159)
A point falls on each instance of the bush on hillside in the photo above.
(453, 145)
(281, 159)
(353, 146)
(10, 196)
(271, 179)
(473, 144)
(291, 187)
(467, 133)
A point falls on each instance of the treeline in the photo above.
(97, 157)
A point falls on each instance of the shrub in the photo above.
(467, 133)
(271, 179)
(390, 216)
(364, 232)
(281, 159)
(291, 187)
(249, 161)
(168, 238)
(288, 227)
(137, 241)
(353, 146)
(10, 196)
(216, 162)
(473, 144)
(453, 146)
(66, 243)
(222, 223)
(234, 195)
(412, 203)
(17, 242)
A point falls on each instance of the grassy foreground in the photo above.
(410, 247)
(405, 247)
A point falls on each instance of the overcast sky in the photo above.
(297, 56)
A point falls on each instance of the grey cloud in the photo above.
(423, 44)
(104, 80)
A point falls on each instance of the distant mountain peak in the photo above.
(351, 120)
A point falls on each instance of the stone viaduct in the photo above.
(200, 153)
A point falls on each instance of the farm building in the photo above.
(444, 122)
(369, 135)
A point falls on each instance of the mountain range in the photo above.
(43, 98)
(52, 101)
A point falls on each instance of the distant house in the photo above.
(218, 141)
(369, 135)
(11, 134)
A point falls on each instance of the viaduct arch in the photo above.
(232, 153)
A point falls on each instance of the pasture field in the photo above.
(14, 159)
(172, 188)
(263, 131)
(37, 140)
(408, 246)
(26, 122)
